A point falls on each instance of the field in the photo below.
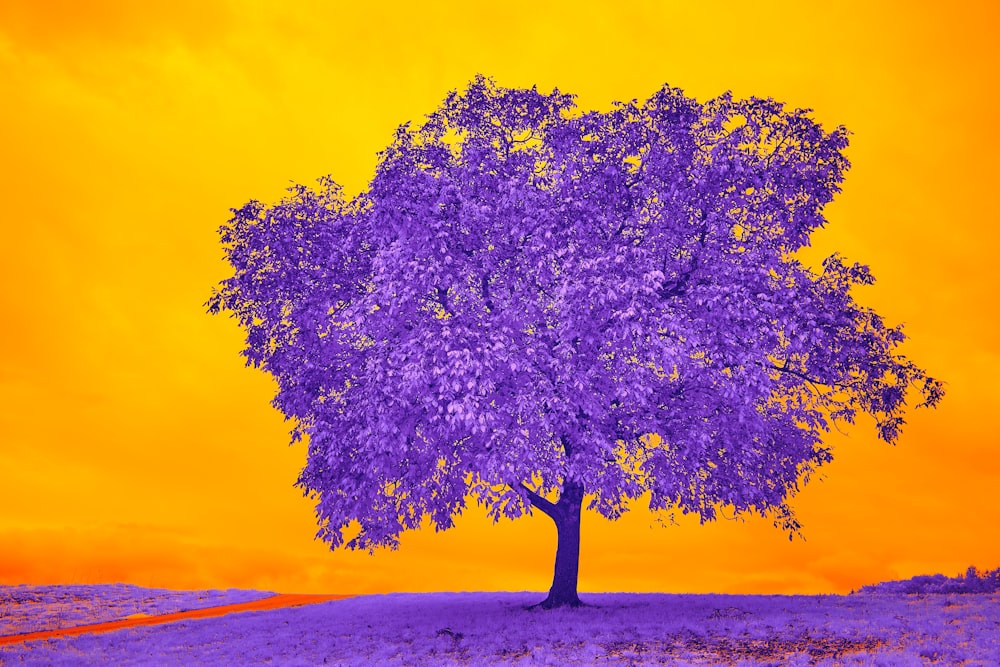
(497, 629)
(36, 608)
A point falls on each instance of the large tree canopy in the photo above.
(529, 302)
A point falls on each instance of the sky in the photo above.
(136, 447)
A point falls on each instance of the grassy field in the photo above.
(36, 608)
(614, 629)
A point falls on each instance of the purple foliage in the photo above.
(973, 581)
(527, 295)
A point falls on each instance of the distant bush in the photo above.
(973, 581)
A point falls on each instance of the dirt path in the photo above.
(280, 601)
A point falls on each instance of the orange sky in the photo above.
(136, 447)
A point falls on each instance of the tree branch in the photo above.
(541, 503)
(487, 301)
(802, 376)
(675, 287)
(441, 298)
(566, 447)
(531, 135)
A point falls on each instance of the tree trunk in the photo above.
(566, 515)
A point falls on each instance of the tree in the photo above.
(538, 307)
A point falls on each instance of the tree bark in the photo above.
(566, 515)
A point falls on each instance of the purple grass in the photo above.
(37, 608)
(613, 629)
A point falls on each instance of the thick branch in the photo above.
(541, 503)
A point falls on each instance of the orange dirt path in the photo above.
(280, 601)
